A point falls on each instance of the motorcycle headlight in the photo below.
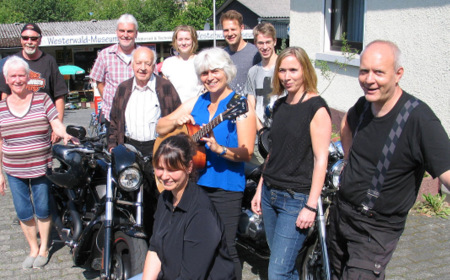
(335, 173)
(130, 179)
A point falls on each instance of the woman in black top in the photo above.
(294, 174)
(188, 240)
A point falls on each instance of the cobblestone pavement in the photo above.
(423, 251)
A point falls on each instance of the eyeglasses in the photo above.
(25, 38)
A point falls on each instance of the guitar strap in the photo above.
(386, 156)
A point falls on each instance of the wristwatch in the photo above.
(224, 151)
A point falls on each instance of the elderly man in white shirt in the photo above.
(138, 104)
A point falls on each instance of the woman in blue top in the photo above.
(229, 144)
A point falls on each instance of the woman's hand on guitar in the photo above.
(185, 119)
(212, 143)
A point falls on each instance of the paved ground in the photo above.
(423, 251)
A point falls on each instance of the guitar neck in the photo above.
(207, 128)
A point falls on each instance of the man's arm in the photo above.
(346, 136)
(445, 178)
(100, 87)
(59, 104)
(252, 103)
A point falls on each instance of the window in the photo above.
(347, 17)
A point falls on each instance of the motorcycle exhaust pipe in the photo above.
(76, 219)
(57, 220)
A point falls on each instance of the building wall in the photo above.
(419, 28)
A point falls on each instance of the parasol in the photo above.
(70, 70)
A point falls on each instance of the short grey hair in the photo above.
(127, 18)
(215, 58)
(15, 61)
(155, 56)
(395, 49)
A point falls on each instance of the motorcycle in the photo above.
(312, 261)
(97, 205)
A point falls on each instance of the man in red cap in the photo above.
(44, 72)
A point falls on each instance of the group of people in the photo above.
(197, 214)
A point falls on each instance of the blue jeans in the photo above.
(26, 207)
(280, 211)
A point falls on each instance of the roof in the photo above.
(264, 8)
(10, 33)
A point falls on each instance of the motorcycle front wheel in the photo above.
(128, 256)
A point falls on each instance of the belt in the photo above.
(364, 211)
(288, 190)
(131, 141)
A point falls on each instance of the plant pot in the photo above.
(83, 105)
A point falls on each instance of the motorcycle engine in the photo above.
(251, 226)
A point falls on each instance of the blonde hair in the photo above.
(191, 31)
(309, 74)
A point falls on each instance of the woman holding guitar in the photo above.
(228, 145)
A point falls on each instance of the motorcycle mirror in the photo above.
(76, 131)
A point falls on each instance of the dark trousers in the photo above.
(360, 247)
(228, 205)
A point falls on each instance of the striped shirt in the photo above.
(111, 68)
(26, 140)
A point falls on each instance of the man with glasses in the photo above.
(259, 80)
(44, 72)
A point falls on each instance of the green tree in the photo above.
(152, 15)
(196, 13)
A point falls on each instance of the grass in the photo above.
(433, 205)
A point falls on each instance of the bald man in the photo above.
(390, 138)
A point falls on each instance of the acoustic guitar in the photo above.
(236, 107)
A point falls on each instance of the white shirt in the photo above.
(181, 73)
(143, 112)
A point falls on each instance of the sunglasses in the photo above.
(25, 38)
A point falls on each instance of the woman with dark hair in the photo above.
(294, 173)
(228, 145)
(188, 240)
(179, 69)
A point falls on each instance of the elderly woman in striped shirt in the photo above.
(25, 154)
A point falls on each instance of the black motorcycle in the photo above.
(313, 260)
(97, 205)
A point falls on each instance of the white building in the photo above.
(420, 29)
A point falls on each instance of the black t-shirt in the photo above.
(291, 160)
(44, 77)
(189, 239)
(423, 145)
